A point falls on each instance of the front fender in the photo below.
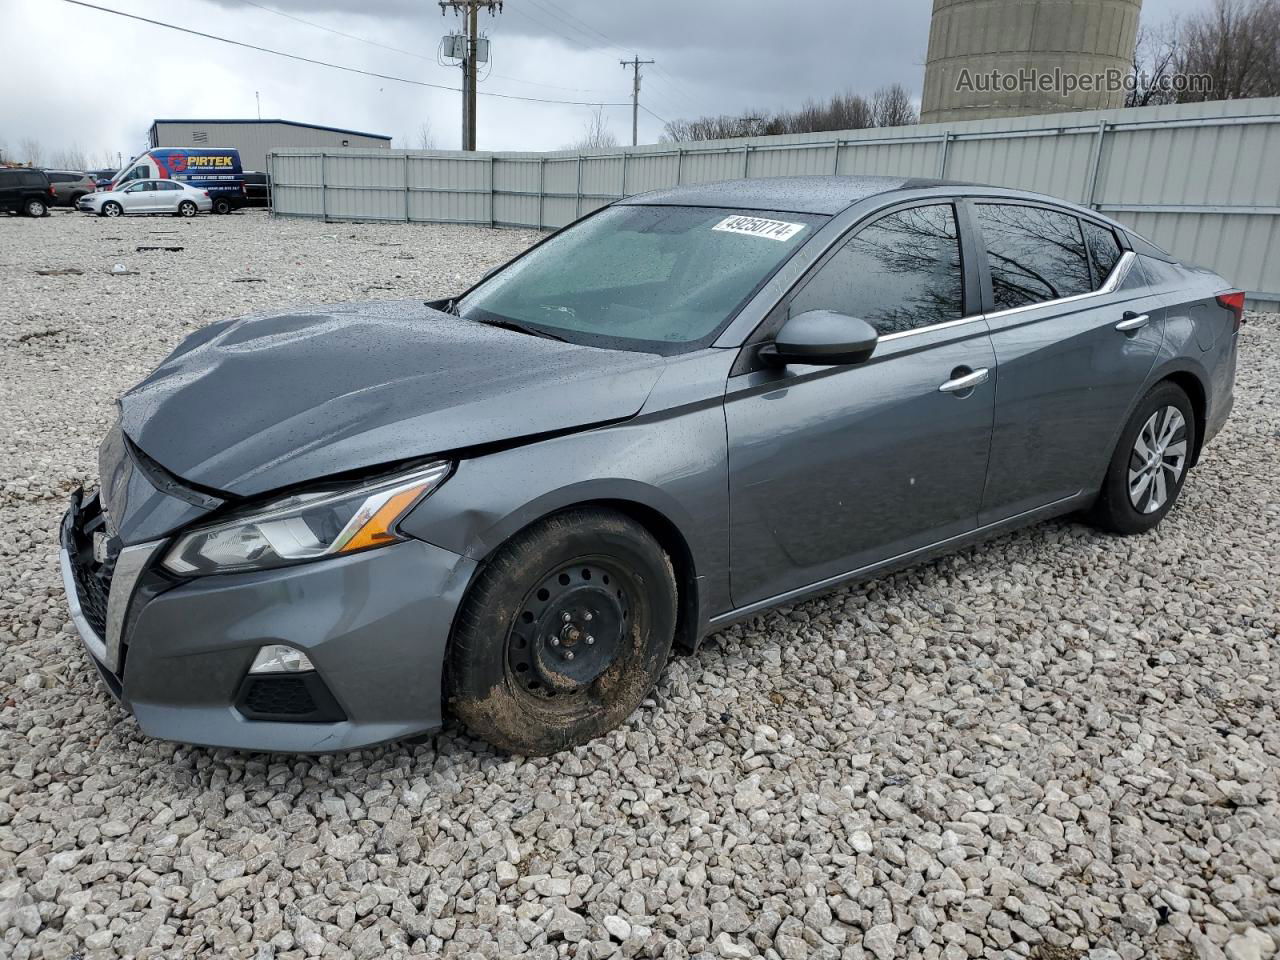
(673, 464)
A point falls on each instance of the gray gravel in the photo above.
(1058, 745)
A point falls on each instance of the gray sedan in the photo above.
(148, 196)
(326, 528)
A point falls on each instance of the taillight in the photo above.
(205, 192)
(52, 192)
(1235, 303)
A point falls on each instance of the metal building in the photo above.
(1013, 58)
(256, 138)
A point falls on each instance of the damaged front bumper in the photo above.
(177, 653)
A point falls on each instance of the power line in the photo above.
(349, 36)
(585, 28)
(410, 53)
(663, 120)
(590, 45)
(338, 66)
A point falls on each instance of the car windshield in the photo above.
(654, 278)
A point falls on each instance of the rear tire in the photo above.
(1149, 465)
(35, 208)
(112, 209)
(564, 632)
(75, 199)
(221, 207)
(187, 209)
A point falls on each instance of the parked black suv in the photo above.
(25, 191)
(257, 189)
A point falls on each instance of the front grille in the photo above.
(283, 696)
(93, 579)
(303, 698)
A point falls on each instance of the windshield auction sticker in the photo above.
(759, 227)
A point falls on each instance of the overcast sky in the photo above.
(95, 80)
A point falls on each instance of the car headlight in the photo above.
(306, 526)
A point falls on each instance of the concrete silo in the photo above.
(1008, 58)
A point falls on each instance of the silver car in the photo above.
(148, 196)
(329, 527)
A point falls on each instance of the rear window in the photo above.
(1035, 254)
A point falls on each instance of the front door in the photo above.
(833, 469)
(1076, 331)
(139, 197)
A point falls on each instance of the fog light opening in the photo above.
(280, 658)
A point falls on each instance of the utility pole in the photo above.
(635, 63)
(474, 53)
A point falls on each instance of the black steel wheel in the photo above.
(565, 631)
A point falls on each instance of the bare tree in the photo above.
(30, 151)
(426, 136)
(1236, 45)
(1155, 57)
(70, 158)
(891, 106)
(596, 134)
(843, 111)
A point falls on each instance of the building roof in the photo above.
(816, 194)
(287, 123)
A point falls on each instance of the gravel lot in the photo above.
(1058, 745)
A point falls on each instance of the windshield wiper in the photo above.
(522, 328)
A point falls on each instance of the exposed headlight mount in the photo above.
(306, 526)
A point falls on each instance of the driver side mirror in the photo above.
(822, 337)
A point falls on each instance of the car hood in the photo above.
(255, 404)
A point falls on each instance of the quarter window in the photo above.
(1034, 254)
(900, 273)
(1104, 250)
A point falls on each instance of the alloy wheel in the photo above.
(570, 629)
(1158, 459)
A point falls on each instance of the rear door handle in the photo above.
(1133, 321)
(966, 382)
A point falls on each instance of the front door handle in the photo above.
(1133, 321)
(965, 381)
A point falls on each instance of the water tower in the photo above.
(1003, 58)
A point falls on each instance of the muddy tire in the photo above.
(564, 632)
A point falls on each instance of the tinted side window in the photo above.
(899, 273)
(34, 179)
(1104, 249)
(1034, 254)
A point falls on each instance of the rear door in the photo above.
(169, 194)
(1075, 331)
(836, 468)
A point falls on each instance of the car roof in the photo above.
(816, 194)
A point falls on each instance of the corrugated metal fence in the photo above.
(1202, 180)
